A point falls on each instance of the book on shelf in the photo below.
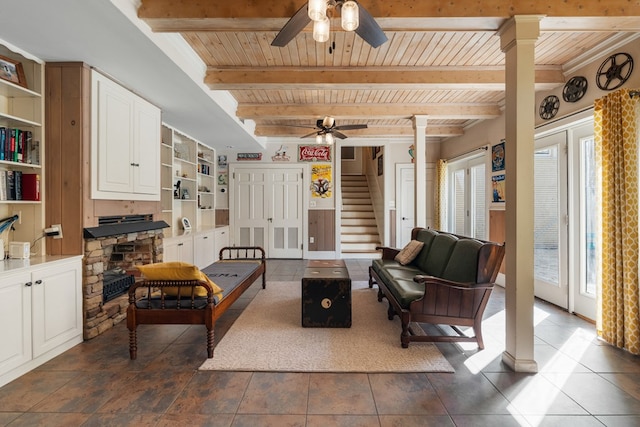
(3, 185)
(3, 139)
(31, 186)
(11, 185)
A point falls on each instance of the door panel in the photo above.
(582, 293)
(250, 211)
(550, 212)
(405, 192)
(286, 213)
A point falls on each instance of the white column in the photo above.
(517, 41)
(420, 170)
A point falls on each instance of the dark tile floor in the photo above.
(581, 382)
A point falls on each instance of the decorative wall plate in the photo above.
(549, 107)
(614, 71)
(575, 89)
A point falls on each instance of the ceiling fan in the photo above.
(366, 27)
(327, 127)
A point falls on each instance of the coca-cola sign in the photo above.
(314, 153)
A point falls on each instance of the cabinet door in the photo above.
(15, 318)
(222, 239)
(204, 249)
(113, 124)
(57, 305)
(178, 249)
(146, 150)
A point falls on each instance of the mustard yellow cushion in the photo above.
(409, 252)
(176, 270)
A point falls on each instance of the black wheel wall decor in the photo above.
(575, 89)
(614, 71)
(549, 107)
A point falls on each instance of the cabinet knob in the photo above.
(38, 282)
(180, 244)
(205, 237)
(28, 284)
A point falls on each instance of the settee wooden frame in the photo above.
(186, 307)
(444, 302)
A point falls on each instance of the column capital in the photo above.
(519, 28)
(419, 121)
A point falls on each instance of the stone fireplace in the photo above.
(115, 255)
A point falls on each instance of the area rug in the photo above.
(268, 336)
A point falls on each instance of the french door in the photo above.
(467, 197)
(565, 219)
(268, 208)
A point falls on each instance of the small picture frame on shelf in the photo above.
(185, 194)
(186, 224)
(12, 71)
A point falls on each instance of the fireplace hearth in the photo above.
(110, 269)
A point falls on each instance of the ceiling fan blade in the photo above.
(351, 127)
(339, 134)
(369, 29)
(293, 26)
(310, 134)
(300, 126)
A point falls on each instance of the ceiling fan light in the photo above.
(318, 139)
(328, 122)
(317, 9)
(350, 15)
(328, 138)
(321, 30)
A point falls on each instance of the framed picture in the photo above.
(186, 224)
(498, 190)
(380, 165)
(12, 71)
(497, 157)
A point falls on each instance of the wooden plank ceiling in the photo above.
(442, 59)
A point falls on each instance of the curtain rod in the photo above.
(484, 147)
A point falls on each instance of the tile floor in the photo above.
(581, 382)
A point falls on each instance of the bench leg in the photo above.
(133, 344)
(405, 337)
(210, 341)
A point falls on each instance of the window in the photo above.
(467, 197)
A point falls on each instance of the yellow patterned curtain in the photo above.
(616, 136)
(441, 195)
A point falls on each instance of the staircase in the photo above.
(358, 233)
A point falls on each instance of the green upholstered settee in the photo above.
(448, 283)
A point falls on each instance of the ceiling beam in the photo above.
(367, 111)
(398, 78)
(371, 131)
(165, 15)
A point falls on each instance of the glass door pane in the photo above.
(546, 249)
(589, 208)
(478, 200)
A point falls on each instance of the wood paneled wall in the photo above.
(497, 231)
(322, 227)
(222, 217)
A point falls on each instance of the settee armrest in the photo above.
(449, 283)
(387, 252)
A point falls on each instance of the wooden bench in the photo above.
(149, 303)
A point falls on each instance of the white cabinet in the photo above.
(222, 238)
(125, 150)
(15, 316)
(205, 250)
(178, 248)
(41, 310)
(57, 306)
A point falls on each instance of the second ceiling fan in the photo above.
(327, 128)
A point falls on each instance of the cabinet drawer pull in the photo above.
(38, 282)
(28, 284)
(180, 244)
(205, 237)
